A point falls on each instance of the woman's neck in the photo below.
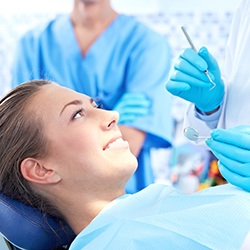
(79, 210)
(80, 216)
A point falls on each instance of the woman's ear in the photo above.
(34, 171)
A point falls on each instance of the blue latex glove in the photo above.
(232, 148)
(189, 81)
(132, 105)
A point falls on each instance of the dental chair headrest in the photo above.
(27, 228)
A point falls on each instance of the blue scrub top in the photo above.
(159, 217)
(127, 57)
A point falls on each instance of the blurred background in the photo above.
(207, 22)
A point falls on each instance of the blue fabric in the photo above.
(159, 217)
(131, 106)
(127, 57)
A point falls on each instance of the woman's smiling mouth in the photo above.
(117, 144)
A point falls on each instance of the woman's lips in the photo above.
(116, 144)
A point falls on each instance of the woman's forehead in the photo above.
(59, 94)
(51, 98)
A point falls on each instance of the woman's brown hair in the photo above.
(21, 136)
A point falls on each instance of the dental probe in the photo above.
(193, 47)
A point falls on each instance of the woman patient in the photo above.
(63, 155)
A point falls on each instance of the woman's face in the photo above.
(86, 145)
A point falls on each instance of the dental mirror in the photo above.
(192, 134)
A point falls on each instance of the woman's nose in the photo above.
(111, 119)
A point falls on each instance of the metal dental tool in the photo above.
(193, 47)
(193, 134)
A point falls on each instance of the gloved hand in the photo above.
(132, 105)
(232, 148)
(189, 81)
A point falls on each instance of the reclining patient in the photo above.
(63, 155)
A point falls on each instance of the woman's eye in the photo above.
(77, 114)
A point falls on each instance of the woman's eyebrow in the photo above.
(75, 102)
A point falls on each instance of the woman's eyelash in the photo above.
(79, 111)
(98, 105)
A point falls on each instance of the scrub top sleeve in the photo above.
(210, 120)
(24, 61)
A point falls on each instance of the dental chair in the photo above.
(26, 228)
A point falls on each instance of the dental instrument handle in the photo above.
(203, 137)
(189, 39)
(193, 47)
